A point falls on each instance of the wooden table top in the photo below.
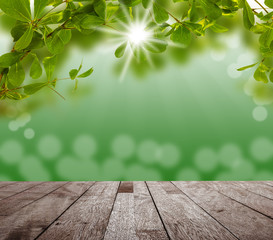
(136, 210)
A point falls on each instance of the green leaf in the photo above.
(266, 51)
(241, 3)
(17, 9)
(248, 16)
(211, 9)
(16, 75)
(56, 41)
(65, 35)
(91, 22)
(35, 87)
(267, 17)
(247, 67)
(15, 95)
(36, 69)
(259, 29)
(39, 6)
(269, 3)
(146, 3)
(260, 75)
(266, 38)
(70, 5)
(271, 76)
(55, 2)
(37, 42)
(218, 28)
(111, 10)
(160, 13)
(9, 59)
(100, 8)
(86, 74)
(197, 28)
(53, 18)
(18, 30)
(73, 73)
(181, 35)
(157, 46)
(49, 65)
(129, 3)
(121, 50)
(193, 13)
(25, 40)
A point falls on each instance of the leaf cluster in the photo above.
(52, 23)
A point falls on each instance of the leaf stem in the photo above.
(261, 6)
(106, 25)
(56, 92)
(176, 19)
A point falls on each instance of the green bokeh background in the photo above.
(190, 121)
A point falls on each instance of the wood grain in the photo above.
(136, 210)
(30, 221)
(3, 184)
(13, 203)
(46, 187)
(134, 216)
(15, 188)
(270, 183)
(252, 200)
(126, 187)
(182, 217)
(258, 188)
(6, 194)
(88, 217)
(242, 221)
(19, 186)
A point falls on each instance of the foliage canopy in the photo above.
(51, 23)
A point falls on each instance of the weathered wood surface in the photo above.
(33, 219)
(259, 188)
(134, 215)
(88, 217)
(13, 188)
(13, 203)
(242, 221)
(136, 210)
(183, 218)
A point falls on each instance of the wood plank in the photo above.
(183, 218)
(270, 183)
(3, 184)
(252, 200)
(135, 217)
(19, 186)
(257, 187)
(46, 187)
(126, 187)
(242, 221)
(30, 221)
(6, 194)
(15, 188)
(88, 217)
(73, 188)
(14, 203)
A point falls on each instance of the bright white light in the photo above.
(138, 34)
(32, 7)
(254, 4)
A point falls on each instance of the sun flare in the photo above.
(137, 34)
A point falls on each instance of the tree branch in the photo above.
(261, 6)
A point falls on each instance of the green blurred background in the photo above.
(188, 116)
